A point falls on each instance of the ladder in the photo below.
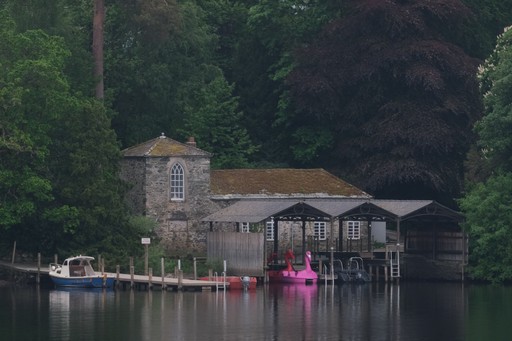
(217, 283)
(394, 262)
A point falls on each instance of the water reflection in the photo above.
(79, 313)
(409, 311)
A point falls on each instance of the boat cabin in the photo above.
(76, 267)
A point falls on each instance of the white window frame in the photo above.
(177, 179)
(269, 229)
(353, 230)
(244, 227)
(320, 230)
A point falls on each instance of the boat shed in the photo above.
(417, 229)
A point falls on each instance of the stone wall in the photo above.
(179, 221)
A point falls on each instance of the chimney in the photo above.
(191, 141)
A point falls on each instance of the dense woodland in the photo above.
(406, 99)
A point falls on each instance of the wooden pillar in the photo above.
(331, 221)
(38, 278)
(340, 234)
(13, 253)
(146, 259)
(369, 235)
(132, 270)
(276, 236)
(397, 231)
(118, 270)
(162, 268)
(180, 279)
(434, 241)
(150, 278)
(304, 237)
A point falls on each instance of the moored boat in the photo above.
(77, 272)
(353, 273)
(235, 282)
(290, 275)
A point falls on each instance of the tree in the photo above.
(212, 117)
(58, 175)
(487, 204)
(491, 17)
(488, 212)
(147, 77)
(399, 96)
(258, 41)
(496, 84)
(30, 102)
(97, 46)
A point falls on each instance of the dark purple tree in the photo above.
(398, 92)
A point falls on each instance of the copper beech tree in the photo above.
(400, 96)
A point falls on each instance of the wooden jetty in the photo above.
(131, 281)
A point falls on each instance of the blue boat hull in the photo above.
(83, 282)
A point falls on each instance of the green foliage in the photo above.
(488, 203)
(256, 40)
(30, 101)
(309, 144)
(155, 254)
(212, 118)
(59, 171)
(491, 16)
(488, 211)
(150, 80)
(496, 85)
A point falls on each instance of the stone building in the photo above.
(171, 182)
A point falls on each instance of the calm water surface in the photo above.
(408, 311)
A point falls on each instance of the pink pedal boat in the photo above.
(290, 275)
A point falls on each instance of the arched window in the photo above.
(177, 182)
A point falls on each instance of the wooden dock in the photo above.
(130, 281)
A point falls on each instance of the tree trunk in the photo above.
(97, 46)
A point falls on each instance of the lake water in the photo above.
(377, 311)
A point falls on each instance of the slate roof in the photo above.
(281, 182)
(258, 210)
(163, 146)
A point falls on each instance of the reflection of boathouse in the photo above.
(244, 215)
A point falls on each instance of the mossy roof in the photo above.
(281, 181)
(162, 147)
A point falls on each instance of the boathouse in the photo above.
(245, 215)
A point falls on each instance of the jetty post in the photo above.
(150, 279)
(132, 273)
(146, 242)
(162, 272)
(38, 277)
(118, 271)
